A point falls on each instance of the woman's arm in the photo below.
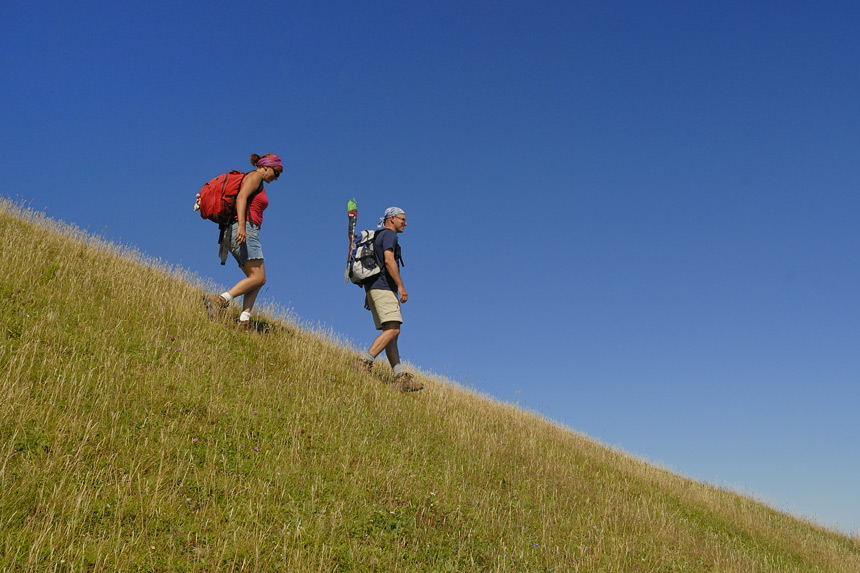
(250, 183)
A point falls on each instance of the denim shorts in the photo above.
(251, 248)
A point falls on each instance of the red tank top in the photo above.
(258, 205)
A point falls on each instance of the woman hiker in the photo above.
(245, 239)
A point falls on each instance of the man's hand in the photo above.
(404, 296)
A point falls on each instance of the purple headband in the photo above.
(270, 160)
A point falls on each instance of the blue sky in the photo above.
(636, 218)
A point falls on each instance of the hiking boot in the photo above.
(364, 366)
(214, 304)
(406, 383)
(244, 326)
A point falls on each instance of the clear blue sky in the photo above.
(636, 218)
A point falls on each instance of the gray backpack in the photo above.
(363, 264)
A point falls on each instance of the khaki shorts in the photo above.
(385, 307)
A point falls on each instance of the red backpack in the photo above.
(218, 197)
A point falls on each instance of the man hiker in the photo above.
(384, 294)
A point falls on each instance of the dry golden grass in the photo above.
(135, 434)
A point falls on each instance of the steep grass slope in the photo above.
(135, 434)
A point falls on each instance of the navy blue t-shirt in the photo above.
(385, 240)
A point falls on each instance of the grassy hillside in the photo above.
(137, 434)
